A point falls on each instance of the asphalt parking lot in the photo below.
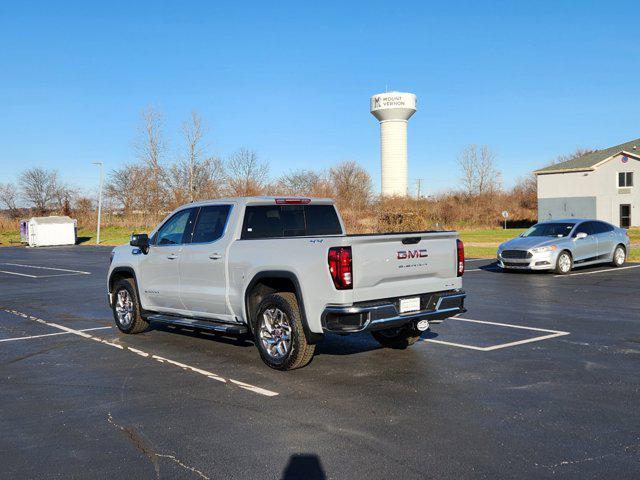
(539, 379)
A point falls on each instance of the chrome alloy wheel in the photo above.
(124, 307)
(564, 262)
(619, 256)
(275, 333)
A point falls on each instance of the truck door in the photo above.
(158, 276)
(203, 282)
(585, 249)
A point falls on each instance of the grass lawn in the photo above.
(479, 243)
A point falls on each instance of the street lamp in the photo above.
(99, 202)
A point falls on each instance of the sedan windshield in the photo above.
(549, 230)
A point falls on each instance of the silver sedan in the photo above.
(562, 244)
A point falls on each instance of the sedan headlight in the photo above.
(548, 248)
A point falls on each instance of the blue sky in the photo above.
(292, 80)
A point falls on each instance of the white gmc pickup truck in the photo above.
(284, 271)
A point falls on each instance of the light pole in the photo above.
(99, 202)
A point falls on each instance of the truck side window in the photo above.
(210, 224)
(262, 221)
(322, 220)
(173, 231)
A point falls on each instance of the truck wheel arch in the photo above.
(121, 272)
(270, 281)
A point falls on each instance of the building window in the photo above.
(625, 179)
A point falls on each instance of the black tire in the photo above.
(299, 351)
(618, 263)
(137, 323)
(397, 338)
(560, 268)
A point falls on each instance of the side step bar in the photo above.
(200, 324)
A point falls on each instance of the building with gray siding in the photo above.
(599, 185)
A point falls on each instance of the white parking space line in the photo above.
(19, 274)
(479, 259)
(79, 272)
(598, 271)
(51, 334)
(211, 375)
(551, 334)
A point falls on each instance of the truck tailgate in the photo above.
(395, 265)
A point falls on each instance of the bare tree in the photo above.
(63, 196)
(525, 192)
(352, 185)
(195, 176)
(479, 172)
(151, 150)
(127, 186)
(304, 182)
(9, 198)
(38, 187)
(246, 174)
(193, 132)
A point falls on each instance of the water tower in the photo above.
(393, 110)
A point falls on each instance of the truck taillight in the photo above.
(340, 267)
(460, 257)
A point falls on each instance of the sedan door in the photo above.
(158, 275)
(585, 249)
(606, 240)
(203, 265)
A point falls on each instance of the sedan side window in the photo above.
(584, 227)
(173, 231)
(601, 227)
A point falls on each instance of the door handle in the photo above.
(215, 256)
(172, 256)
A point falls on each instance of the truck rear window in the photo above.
(269, 221)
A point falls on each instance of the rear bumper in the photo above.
(385, 314)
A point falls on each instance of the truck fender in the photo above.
(127, 271)
(312, 337)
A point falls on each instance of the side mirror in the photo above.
(140, 240)
(581, 235)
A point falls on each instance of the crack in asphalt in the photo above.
(149, 452)
(564, 463)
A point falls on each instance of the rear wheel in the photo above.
(398, 338)
(619, 256)
(126, 307)
(279, 334)
(564, 263)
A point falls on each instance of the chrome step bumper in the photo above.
(359, 317)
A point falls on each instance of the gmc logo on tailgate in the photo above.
(404, 254)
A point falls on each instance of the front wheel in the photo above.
(564, 263)
(279, 334)
(619, 256)
(397, 338)
(126, 307)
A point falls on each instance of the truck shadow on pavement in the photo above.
(304, 467)
(239, 341)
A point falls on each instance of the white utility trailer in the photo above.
(48, 231)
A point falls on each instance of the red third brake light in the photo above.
(460, 257)
(340, 267)
(292, 201)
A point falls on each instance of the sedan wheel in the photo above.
(564, 263)
(619, 256)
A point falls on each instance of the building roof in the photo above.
(51, 220)
(591, 160)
